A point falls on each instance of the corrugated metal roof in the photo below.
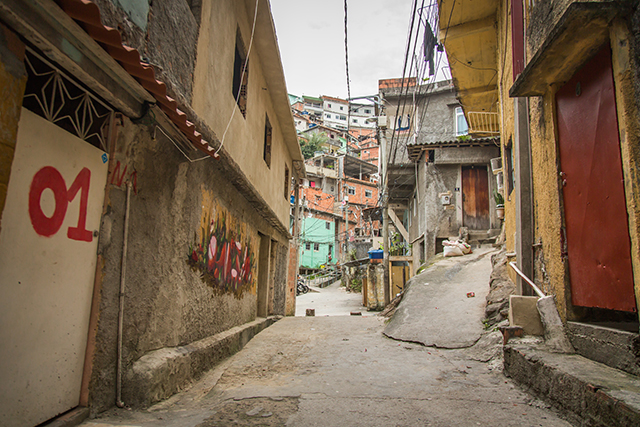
(87, 15)
(415, 148)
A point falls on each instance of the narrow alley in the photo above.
(332, 370)
(451, 186)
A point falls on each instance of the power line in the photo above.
(404, 71)
(346, 58)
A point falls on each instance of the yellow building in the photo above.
(560, 79)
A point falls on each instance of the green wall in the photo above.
(314, 231)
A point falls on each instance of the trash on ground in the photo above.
(455, 248)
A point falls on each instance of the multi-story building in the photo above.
(335, 139)
(144, 197)
(560, 81)
(441, 179)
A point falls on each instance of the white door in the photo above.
(47, 267)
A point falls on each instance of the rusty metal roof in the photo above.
(416, 148)
(87, 15)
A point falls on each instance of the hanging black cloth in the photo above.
(429, 46)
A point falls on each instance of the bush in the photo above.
(356, 285)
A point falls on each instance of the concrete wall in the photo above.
(165, 33)
(550, 266)
(171, 299)
(13, 79)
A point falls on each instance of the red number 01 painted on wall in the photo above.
(49, 177)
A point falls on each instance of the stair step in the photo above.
(592, 393)
(614, 347)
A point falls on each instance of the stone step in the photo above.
(612, 346)
(591, 393)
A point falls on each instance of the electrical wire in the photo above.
(346, 59)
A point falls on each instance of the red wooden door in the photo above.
(594, 202)
(475, 197)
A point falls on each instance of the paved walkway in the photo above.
(333, 300)
(438, 309)
(342, 371)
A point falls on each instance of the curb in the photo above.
(161, 373)
(593, 393)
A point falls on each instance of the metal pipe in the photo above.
(526, 279)
(123, 269)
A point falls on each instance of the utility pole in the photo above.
(385, 208)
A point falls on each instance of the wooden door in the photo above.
(595, 211)
(475, 197)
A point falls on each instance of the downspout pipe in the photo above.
(119, 402)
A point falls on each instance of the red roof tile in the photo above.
(87, 15)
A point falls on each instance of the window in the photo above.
(355, 120)
(342, 117)
(266, 155)
(351, 190)
(287, 184)
(328, 116)
(461, 123)
(328, 225)
(367, 111)
(341, 108)
(308, 246)
(240, 75)
(328, 105)
(368, 194)
(316, 247)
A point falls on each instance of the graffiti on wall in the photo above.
(124, 176)
(224, 252)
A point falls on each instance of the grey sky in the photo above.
(311, 38)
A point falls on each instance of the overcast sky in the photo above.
(311, 39)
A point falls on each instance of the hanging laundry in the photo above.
(400, 128)
(429, 46)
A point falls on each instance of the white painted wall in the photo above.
(46, 282)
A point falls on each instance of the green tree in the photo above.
(312, 143)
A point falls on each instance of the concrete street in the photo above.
(333, 300)
(343, 371)
(444, 305)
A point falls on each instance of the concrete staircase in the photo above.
(596, 386)
(480, 237)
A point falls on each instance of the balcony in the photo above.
(483, 123)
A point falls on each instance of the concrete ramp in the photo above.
(436, 310)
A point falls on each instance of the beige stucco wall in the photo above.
(629, 124)
(507, 119)
(548, 217)
(551, 269)
(214, 100)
